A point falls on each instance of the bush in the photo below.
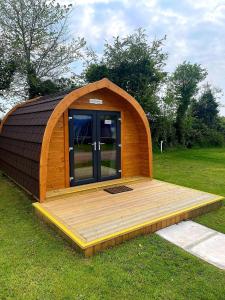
(213, 138)
(201, 135)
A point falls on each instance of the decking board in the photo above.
(96, 219)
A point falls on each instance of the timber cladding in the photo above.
(21, 138)
(34, 140)
(134, 147)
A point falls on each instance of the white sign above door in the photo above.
(95, 101)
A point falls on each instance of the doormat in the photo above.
(118, 189)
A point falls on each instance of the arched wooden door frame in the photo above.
(65, 103)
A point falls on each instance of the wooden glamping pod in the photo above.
(67, 149)
(55, 142)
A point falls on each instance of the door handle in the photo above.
(99, 145)
(93, 144)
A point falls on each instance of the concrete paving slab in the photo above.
(199, 240)
(185, 233)
(212, 250)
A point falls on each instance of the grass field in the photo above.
(202, 169)
(35, 263)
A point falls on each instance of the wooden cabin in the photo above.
(69, 150)
(95, 133)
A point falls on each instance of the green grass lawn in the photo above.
(35, 263)
(202, 169)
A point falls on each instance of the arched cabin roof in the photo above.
(26, 131)
(22, 132)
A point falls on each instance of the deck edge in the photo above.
(59, 225)
(84, 245)
(153, 221)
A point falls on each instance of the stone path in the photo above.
(198, 240)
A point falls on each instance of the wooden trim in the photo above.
(66, 149)
(65, 103)
(122, 142)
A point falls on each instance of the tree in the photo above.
(135, 65)
(47, 87)
(163, 126)
(206, 108)
(96, 72)
(184, 85)
(36, 33)
(7, 69)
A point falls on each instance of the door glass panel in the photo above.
(83, 149)
(108, 163)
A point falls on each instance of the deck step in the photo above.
(88, 188)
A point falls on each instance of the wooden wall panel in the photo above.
(56, 176)
(134, 146)
(134, 152)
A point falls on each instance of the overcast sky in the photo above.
(195, 29)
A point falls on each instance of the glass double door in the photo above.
(95, 146)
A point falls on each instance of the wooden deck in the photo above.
(95, 220)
